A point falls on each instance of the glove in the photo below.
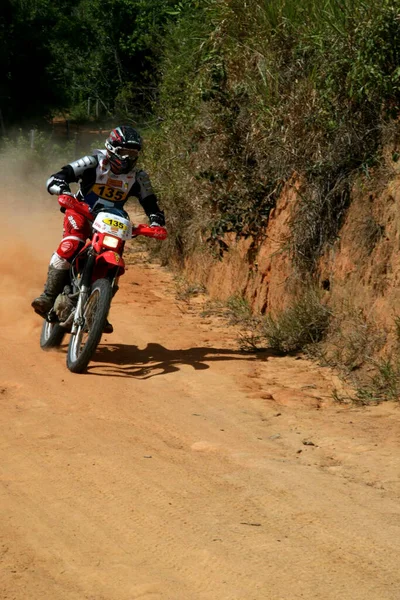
(157, 219)
(58, 186)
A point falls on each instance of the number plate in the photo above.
(116, 226)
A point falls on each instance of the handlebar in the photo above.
(68, 201)
(159, 233)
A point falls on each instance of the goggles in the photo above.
(127, 152)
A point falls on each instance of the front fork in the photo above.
(84, 290)
(114, 284)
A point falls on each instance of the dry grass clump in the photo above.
(345, 339)
(186, 290)
(358, 347)
(383, 384)
(238, 313)
(317, 220)
(300, 326)
(354, 339)
(297, 328)
(369, 233)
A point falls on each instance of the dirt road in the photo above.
(178, 468)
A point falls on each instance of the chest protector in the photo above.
(109, 190)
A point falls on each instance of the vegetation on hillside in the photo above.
(255, 93)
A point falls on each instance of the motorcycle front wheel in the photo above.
(83, 343)
(51, 336)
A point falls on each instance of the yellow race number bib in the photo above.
(108, 193)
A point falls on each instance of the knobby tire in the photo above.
(51, 336)
(96, 311)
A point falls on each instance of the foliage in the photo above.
(297, 328)
(58, 54)
(25, 90)
(384, 384)
(360, 349)
(353, 338)
(319, 84)
(304, 323)
(186, 290)
(243, 94)
(116, 54)
(238, 312)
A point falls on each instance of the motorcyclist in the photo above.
(107, 179)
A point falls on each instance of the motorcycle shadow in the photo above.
(122, 360)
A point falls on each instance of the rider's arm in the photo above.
(59, 182)
(143, 190)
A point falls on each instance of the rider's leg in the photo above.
(108, 328)
(57, 278)
(75, 231)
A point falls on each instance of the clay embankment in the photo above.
(359, 271)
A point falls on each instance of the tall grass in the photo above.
(255, 91)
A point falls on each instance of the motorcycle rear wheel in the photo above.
(51, 336)
(83, 343)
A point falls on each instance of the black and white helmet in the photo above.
(123, 146)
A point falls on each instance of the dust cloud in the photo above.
(31, 227)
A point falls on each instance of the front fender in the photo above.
(109, 259)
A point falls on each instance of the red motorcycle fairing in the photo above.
(158, 233)
(105, 259)
(108, 260)
(67, 201)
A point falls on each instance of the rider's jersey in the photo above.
(101, 188)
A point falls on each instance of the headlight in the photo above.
(110, 242)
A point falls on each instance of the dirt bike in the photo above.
(82, 308)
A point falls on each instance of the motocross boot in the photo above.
(108, 328)
(56, 280)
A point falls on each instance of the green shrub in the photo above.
(302, 324)
(384, 384)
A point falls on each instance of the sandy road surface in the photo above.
(180, 469)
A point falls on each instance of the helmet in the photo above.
(123, 146)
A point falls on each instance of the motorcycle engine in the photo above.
(63, 305)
